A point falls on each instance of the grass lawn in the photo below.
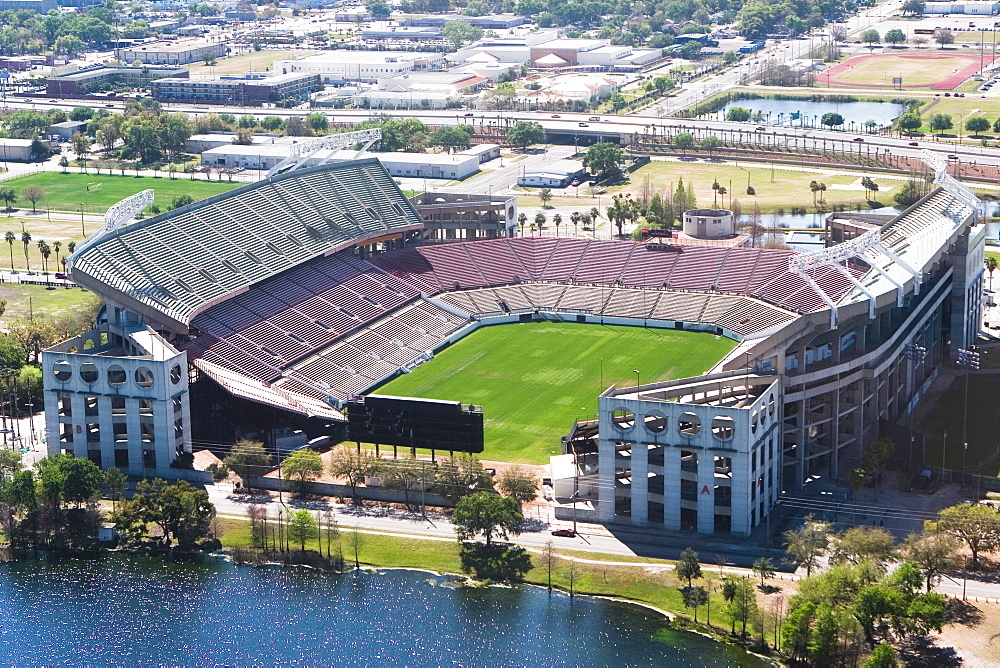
(790, 188)
(65, 192)
(660, 589)
(50, 302)
(254, 61)
(534, 379)
(984, 420)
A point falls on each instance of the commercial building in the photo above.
(250, 91)
(63, 131)
(557, 174)
(397, 164)
(709, 223)
(401, 33)
(489, 22)
(366, 66)
(962, 7)
(173, 53)
(549, 50)
(99, 78)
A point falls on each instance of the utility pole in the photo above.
(968, 359)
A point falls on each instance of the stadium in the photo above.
(274, 307)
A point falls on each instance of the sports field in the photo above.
(66, 192)
(534, 379)
(937, 71)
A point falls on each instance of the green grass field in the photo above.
(24, 301)
(65, 192)
(534, 379)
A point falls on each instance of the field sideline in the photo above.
(534, 379)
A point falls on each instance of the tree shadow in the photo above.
(499, 563)
(964, 613)
(924, 652)
(768, 589)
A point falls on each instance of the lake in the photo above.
(138, 610)
(778, 112)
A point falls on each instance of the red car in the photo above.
(564, 533)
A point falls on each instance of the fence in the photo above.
(344, 491)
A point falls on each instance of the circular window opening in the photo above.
(723, 428)
(175, 374)
(655, 423)
(143, 377)
(623, 418)
(689, 424)
(770, 406)
(116, 375)
(62, 371)
(88, 373)
(753, 420)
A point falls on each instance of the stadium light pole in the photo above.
(915, 354)
(636, 372)
(967, 359)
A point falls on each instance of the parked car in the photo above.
(858, 139)
(564, 533)
(913, 143)
(555, 116)
(584, 125)
(594, 118)
(952, 156)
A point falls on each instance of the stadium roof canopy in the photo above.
(173, 266)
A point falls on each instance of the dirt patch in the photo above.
(975, 634)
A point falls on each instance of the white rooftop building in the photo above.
(335, 67)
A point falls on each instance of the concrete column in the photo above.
(640, 484)
(672, 488)
(706, 492)
(742, 481)
(835, 434)
(606, 476)
(133, 419)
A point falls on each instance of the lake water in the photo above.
(135, 610)
(778, 112)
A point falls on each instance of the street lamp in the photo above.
(636, 372)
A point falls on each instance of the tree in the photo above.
(557, 220)
(944, 37)
(272, 123)
(10, 238)
(301, 527)
(910, 193)
(909, 121)
(115, 481)
(858, 544)
(991, 264)
(460, 32)
(694, 597)
(518, 483)
(545, 195)
(296, 126)
(870, 36)
(978, 526)
(895, 36)
(33, 194)
(604, 159)
(764, 569)
(912, 7)
(81, 144)
(64, 163)
(33, 334)
(302, 467)
(742, 600)
(539, 220)
(935, 553)
(525, 133)
(807, 544)
(883, 656)
(181, 201)
(683, 140)
(831, 119)
(688, 567)
(248, 459)
(738, 114)
(451, 136)
(82, 479)
(180, 510)
(487, 514)
(977, 124)
(8, 196)
(352, 466)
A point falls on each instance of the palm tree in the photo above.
(41, 247)
(26, 239)
(991, 264)
(814, 187)
(522, 220)
(57, 246)
(71, 246)
(575, 217)
(45, 250)
(557, 221)
(11, 238)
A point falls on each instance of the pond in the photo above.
(130, 611)
(779, 112)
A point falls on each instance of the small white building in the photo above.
(484, 152)
(18, 150)
(709, 223)
(553, 175)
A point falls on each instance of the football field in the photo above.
(534, 379)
